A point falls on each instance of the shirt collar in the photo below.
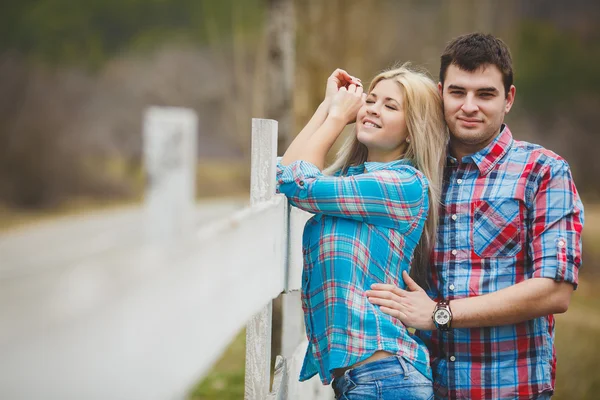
(371, 166)
(488, 157)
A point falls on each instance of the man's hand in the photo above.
(412, 307)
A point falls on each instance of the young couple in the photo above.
(489, 228)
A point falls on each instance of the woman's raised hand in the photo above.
(346, 103)
(338, 79)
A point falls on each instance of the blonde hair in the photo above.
(426, 150)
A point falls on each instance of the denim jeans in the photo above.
(390, 378)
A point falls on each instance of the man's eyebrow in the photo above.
(483, 89)
(488, 89)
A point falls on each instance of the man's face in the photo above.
(474, 107)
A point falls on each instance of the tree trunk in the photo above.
(280, 67)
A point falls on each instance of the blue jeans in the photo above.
(390, 378)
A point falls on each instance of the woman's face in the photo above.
(381, 124)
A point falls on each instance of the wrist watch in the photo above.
(442, 316)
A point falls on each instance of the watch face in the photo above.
(442, 317)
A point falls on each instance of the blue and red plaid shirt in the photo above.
(367, 225)
(509, 213)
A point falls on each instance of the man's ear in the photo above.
(440, 88)
(510, 98)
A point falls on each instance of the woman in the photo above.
(372, 211)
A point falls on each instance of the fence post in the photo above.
(170, 164)
(258, 329)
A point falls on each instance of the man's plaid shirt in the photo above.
(509, 213)
(367, 225)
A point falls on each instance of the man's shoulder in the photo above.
(536, 154)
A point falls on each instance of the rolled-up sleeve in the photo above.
(557, 223)
(393, 197)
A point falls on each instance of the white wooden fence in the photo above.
(150, 321)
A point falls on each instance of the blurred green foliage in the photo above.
(554, 66)
(88, 33)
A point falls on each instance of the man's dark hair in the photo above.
(474, 50)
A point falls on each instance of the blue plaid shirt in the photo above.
(367, 225)
(510, 212)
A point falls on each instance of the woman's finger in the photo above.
(341, 77)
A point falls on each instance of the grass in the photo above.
(214, 178)
(578, 344)
(11, 218)
(226, 380)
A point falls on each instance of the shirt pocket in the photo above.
(496, 229)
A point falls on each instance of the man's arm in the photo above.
(533, 298)
(554, 248)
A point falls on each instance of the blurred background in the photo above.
(76, 77)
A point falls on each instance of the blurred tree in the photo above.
(281, 42)
(90, 32)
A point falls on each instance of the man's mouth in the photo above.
(470, 120)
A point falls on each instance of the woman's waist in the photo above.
(336, 344)
(378, 355)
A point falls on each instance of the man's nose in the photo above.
(469, 105)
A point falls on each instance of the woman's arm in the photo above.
(393, 196)
(343, 109)
(339, 78)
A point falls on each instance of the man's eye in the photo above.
(487, 95)
(456, 93)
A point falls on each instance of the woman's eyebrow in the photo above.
(386, 99)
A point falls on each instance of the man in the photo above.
(508, 247)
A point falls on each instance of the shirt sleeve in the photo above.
(393, 197)
(557, 223)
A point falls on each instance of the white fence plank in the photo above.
(146, 321)
(258, 330)
(170, 163)
(145, 324)
(286, 385)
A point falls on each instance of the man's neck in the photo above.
(460, 150)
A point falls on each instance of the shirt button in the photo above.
(281, 181)
(452, 358)
(459, 181)
(301, 183)
(454, 217)
(561, 243)
(454, 252)
(452, 161)
(451, 287)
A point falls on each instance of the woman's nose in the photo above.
(372, 109)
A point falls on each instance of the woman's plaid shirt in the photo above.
(367, 225)
(510, 212)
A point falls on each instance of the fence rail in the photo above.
(147, 322)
